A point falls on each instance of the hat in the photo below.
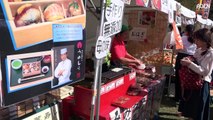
(124, 28)
(64, 50)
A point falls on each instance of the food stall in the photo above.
(125, 93)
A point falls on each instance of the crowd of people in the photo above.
(196, 44)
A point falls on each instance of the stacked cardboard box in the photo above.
(20, 109)
(62, 92)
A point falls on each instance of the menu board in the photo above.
(36, 57)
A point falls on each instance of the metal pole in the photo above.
(97, 108)
(94, 90)
(98, 70)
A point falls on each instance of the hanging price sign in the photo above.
(102, 47)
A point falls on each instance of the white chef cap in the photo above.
(64, 50)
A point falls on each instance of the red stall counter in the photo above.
(110, 91)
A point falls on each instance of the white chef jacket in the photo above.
(65, 65)
(205, 66)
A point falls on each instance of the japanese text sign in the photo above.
(67, 32)
(102, 47)
(138, 33)
(113, 18)
(127, 1)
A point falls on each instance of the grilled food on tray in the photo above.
(53, 12)
(31, 69)
(26, 15)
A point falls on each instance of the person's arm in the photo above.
(67, 69)
(129, 62)
(57, 71)
(133, 59)
(205, 67)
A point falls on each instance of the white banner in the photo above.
(164, 6)
(138, 33)
(178, 14)
(170, 11)
(113, 18)
(127, 1)
(51, 113)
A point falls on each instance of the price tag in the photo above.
(138, 34)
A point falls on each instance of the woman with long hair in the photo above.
(188, 50)
(197, 107)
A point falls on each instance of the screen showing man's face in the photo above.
(63, 56)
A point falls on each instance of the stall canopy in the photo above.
(187, 12)
(189, 15)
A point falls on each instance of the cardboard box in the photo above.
(62, 92)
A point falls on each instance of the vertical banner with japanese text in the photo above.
(113, 18)
(170, 11)
(178, 14)
(164, 6)
(203, 8)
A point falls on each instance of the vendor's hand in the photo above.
(185, 61)
(138, 62)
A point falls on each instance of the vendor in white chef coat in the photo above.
(63, 70)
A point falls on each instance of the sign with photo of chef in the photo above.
(63, 65)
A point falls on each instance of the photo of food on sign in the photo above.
(63, 65)
(156, 4)
(146, 18)
(27, 70)
(146, 3)
(37, 17)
